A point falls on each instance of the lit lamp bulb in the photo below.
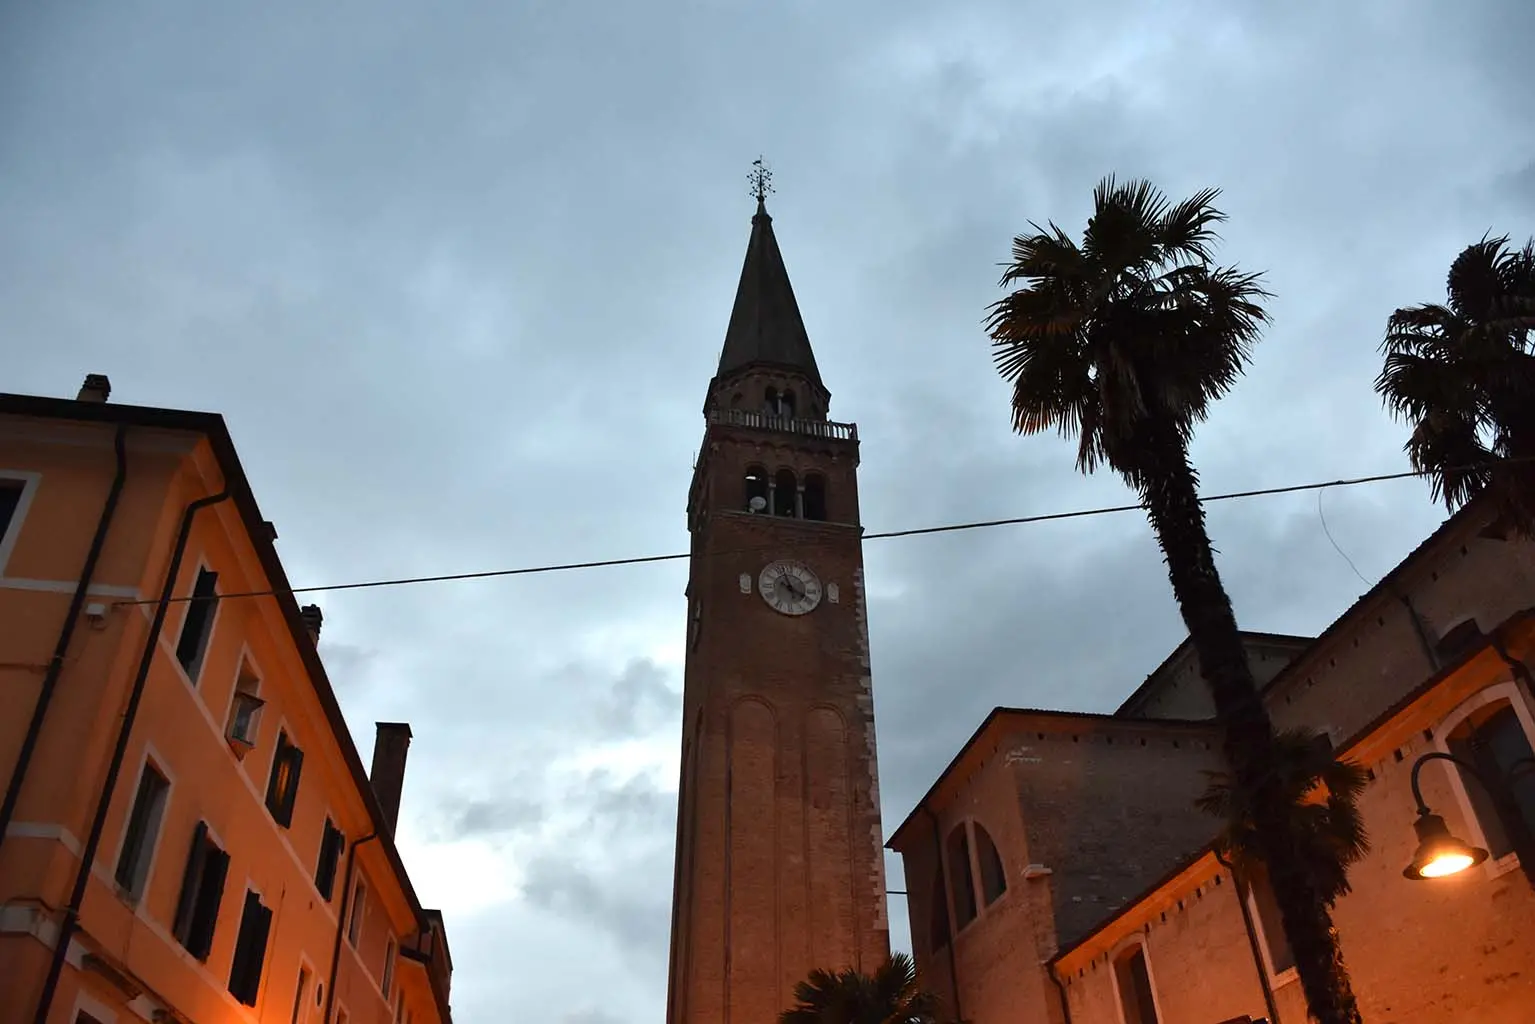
(1440, 853)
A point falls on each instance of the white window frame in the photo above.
(85, 1002)
(149, 754)
(245, 658)
(316, 983)
(29, 481)
(357, 911)
(1277, 979)
(201, 564)
(386, 977)
(1507, 691)
(1119, 949)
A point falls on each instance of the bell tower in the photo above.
(779, 864)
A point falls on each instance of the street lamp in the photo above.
(1439, 852)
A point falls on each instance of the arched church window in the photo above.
(938, 918)
(1494, 739)
(993, 880)
(786, 404)
(961, 881)
(735, 400)
(756, 489)
(1132, 977)
(785, 493)
(815, 497)
(770, 403)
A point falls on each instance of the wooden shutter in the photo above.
(250, 950)
(191, 883)
(330, 855)
(209, 896)
(289, 796)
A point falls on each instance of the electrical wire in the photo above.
(887, 535)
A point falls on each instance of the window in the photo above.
(387, 983)
(354, 917)
(770, 405)
(331, 844)
(786, 404)
(399, 1007)
(993, 880)
(198, 623)
(815, 497)
(1133, 979)
(10, 500)
(250, 950)
(282, 784)
(143, 829)
(1493, 739)
(301, 997)
(244, 712)
(961, 881)
(85, 1018)
(756, 489)
(1276, 945)
(784, 493)
(202, 889)
(938, 920)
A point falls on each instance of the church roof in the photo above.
(765, 324)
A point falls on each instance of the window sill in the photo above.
(1283, 978)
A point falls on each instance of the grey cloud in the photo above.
(457, 280)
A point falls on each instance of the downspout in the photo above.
(1060, 986)
(66, 634)
(346, 909)
(71, 920)
(1417, 627)
(959, 1014)
(1252, 936)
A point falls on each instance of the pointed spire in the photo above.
(765, 324)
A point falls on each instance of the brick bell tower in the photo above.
(779, 865)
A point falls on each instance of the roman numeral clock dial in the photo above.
(789, 588)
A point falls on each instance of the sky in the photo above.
(457, 275)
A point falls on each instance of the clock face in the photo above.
(790, 588)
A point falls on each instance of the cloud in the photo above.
(457, 279)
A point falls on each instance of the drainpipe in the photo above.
(1417, 626)
(1252, 937)
(66, 634)
(71, 920)
(346, 909)
(1520, 670)
(1060, 986)
(959, 1014)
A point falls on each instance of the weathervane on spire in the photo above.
(761, 180)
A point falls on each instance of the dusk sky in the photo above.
(457, 275)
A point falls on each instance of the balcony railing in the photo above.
(759, 421)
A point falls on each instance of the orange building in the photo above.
(1059, 872)
(187, 831)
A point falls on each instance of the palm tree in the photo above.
(888, 996)
(1463, 374)
(1322, 796)
(1123, 342)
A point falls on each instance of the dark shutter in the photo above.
(250, 950)
(210, 895)
(198, 620)
(292, 760)
(330, 856)
(191, 883)
(274, 780)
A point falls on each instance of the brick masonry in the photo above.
(1101, 818)
(779, 862)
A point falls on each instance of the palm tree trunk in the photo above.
(1169, 488)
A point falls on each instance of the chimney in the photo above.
(390, 745)
(310, 613)
(95, 389)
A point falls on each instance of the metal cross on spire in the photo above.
(761, 180)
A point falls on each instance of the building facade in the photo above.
(779, 864)
(189, 833)
(1059, 872)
